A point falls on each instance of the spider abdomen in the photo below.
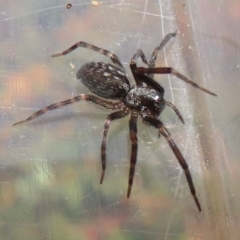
(142, 98)
(104, 80)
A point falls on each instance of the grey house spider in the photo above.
(145, 99)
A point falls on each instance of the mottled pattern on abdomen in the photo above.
(103, 79)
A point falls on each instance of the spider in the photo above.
(145, 99)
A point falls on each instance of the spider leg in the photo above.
(89, 46)
(162, 129)
(91, 98)
(169, 70)
(140, 78)
(133, 160)
(175, 110)
(155, 52)
(138, 54)
(133, 65)
(159, 48)
(111, 117)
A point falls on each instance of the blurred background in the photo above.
(50, 168)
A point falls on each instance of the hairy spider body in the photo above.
(112, 83)
(110, 80)
(146, 98)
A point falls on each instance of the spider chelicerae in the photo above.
(145, 99)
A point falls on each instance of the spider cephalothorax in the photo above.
(145, 99)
